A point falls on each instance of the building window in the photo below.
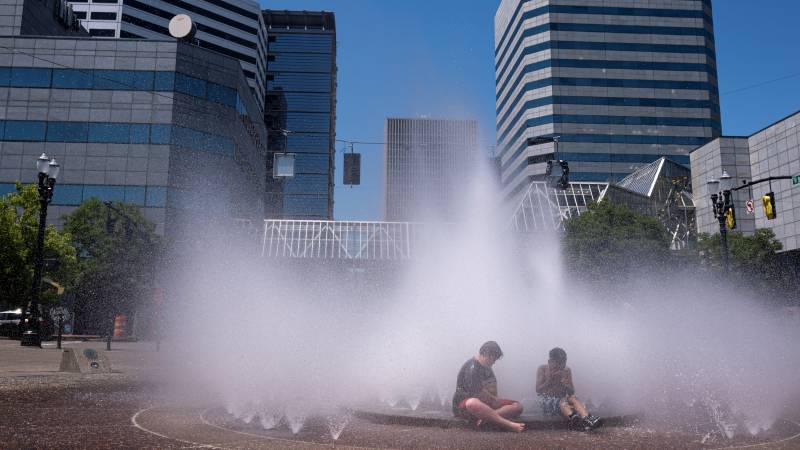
(129, 35)
(20, 130)
(271, 38)
(68, 194)
(190, 85)
(101, 32)
(156, 196)
(72, 79)
(116, 133)
(222, 94)
(28, 77)
(135, 195)
(160, 134)
(105, 193)
(67, 131)
(102, 15)
(165, 81)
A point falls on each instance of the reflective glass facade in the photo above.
(229, 27)
(621, 84)
(300, 111)
(184, 143)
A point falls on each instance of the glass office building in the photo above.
(621, 83)
(170, 127)
(230, 27)
(428, 163)
(300, 111)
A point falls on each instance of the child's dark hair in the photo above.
(558, 354)
(492, 349)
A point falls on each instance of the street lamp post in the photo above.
(720, 202)
(48, 172)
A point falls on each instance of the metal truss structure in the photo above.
(320, 239)
(545, 208)
(662, 190)
(659, 190)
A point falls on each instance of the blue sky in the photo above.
(406, 58)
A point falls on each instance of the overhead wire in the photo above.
(762, 83)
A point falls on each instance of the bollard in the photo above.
(60, 327)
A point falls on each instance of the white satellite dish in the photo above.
(182, 28)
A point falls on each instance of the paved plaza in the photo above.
(133, 407)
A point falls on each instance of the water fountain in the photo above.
(337, 423)
(658, 346)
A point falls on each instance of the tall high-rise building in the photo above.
(620, 83)
(230, 27)
(427, 164)
(300, 111)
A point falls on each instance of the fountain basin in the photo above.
(431, 417)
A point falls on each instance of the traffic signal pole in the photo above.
(769, 198)
(763, 180)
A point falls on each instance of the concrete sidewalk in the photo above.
(130, 358)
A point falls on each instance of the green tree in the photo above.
(611, 242)
(118, 253)
(753, 260)
(19, 224)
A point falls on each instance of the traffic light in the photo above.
(730, 218)
(352, 169)
(769, 205)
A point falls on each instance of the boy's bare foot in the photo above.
(517, 427)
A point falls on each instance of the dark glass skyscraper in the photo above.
(300, 111)
(621, 82)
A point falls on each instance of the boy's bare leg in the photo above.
(565, 407)
(578, 405)
(510, 411)
(485, 412)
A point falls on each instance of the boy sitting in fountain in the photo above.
(476, 392)
(557, 393)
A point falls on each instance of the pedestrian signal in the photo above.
(769, 205)
(730, 218)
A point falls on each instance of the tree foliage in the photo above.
(118, 254)
(611, 242)
(19, 225)
(753, 260)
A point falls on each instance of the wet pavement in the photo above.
(130, 408)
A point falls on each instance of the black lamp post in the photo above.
(720, 202)
(48, 172)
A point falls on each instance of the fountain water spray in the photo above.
(336, 424)
(313, 334)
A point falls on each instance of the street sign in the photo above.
(796, 179)
(60, 313)
(751, 207)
